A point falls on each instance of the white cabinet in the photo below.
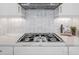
(40, 50)
(11, 9)
(6, 50)
(74, 50)
(68, 9)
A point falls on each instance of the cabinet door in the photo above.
(10, 9)
(3, 9)
(14, 9)
(6, 50)
(74, 50)
(69, 9)
(40, 50)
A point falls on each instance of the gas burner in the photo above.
(40, 37)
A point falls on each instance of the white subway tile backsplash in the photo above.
(37, 20)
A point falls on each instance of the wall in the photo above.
(65, 21)
(75, 22)
(36, 21)
(11, 25)
(40, 20)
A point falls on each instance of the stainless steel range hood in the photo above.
(40, 5)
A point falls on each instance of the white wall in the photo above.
(66, 21)
(36, 21)
(40, 20)
(11, 25)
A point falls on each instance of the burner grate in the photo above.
(40, 37)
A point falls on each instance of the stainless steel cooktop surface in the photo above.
(40, 37)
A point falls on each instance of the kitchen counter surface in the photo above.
(70, 40)
(11, 40)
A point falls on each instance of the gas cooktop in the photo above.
(40, 37)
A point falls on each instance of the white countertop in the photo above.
(70, 40)
(11, 40)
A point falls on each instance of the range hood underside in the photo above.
(40, 5)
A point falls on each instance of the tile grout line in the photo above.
(68, 50)
(13, 50)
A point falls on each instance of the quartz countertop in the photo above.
(11, 40)
(70, 40)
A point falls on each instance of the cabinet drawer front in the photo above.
(74, 50)
(40, 50)
(6, 50)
